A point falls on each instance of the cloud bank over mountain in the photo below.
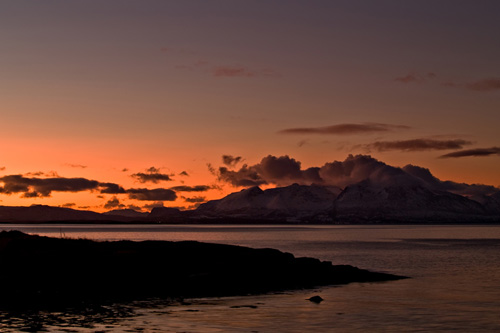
(284, 170)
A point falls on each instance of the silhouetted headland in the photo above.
(42, 271)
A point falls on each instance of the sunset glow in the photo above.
(132, 104)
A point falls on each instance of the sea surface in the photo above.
(454, 285)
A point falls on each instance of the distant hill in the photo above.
(130, 213)
(41, 213)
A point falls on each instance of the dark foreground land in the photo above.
(42, 272)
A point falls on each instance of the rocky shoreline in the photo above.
(42, 271)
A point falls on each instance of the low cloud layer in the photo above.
(43, 187)
(345, 129)
(196, 188)
(152, 175)
(418, 145)
(78, 166)
(157, 194)
(195, 199)
(476, 152)
(113, 203)
(34, 187)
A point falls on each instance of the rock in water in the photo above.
(316, 299)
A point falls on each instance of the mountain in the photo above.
(370, 202)
(393, 197)
(41, 213)
(289, 203)
(401, 197)
(130, 213)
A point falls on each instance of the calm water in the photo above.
(455, 282)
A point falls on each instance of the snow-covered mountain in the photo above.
(294, 201)
(365, 201)
(402, 197)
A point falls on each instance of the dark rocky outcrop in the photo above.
(43, 271)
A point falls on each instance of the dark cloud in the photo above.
(354, 169)
(489, 84)
(111, 188)
(134, 207)
(281, 170)
(284, 171)
(43, 187)
(113, 203)
(240, 71)
(345, 129)
(2, 168)
(76, 166)
(473, 152)
(157, 194)
(230, 160)
(124, 170)
(418, 145)
(68, 205)
(153, 205)
(152, 175)
(195, 199)
(32, 187)
(458, 188)
(52, 174)
(196, 188)
(483, 85)
(245, 176)
(184, 173)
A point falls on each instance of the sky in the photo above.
(135, 104)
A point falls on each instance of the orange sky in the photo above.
(90, 88)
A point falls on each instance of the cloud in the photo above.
(111, 188)
(152, 175)
(184, 173)
(284, 171)
(241, 71)
(230, 160)
(157, 194)
(489, 84)
(50, 174)
(43, 187)
(33, 187)
(195, 199)
(2, 168)
(418, 145)
(473, 152)
(354, 169)
(196, 188)
(153, 205)
(68, 205)
(277, 170)
(414, 77)
(345, 129)
(113, 203)
(75, 165)
(457, 188)
(482, 85)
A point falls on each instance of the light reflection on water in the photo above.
(455, 284)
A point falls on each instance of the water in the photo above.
(455, 282)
